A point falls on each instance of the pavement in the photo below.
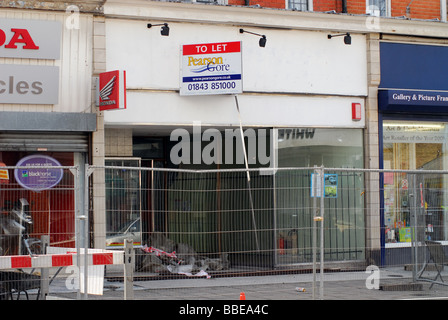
(266, 297)
(384, 284)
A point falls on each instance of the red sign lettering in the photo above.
(211, 48)
(20, 36)
(2, 37)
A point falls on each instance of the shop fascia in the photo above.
(29, 39)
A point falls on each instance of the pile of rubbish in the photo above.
(163, 255)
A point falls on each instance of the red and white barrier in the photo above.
(61, 260)
(68, 257)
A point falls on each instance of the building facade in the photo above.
(318, 100)
(412, 105)
(427, 10)
(299, 75)
(46, 115)
(287, 87)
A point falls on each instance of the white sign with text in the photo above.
(211, 68)
(34, 39)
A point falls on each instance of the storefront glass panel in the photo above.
(344, 223)
(414, 145)
(49, 211)
(266, 220)
(123, 201)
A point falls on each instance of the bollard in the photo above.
(129, 269)
(45, 272)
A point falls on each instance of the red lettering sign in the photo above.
(19, 36)
(2, 37)
(212, 48)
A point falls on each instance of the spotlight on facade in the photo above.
(164, 31)
(262, 42)
(347, 37)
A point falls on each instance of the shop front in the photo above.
(413, 113)
(45, 120)
(293, 104)
(47, 196)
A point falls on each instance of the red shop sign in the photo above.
(112, 90)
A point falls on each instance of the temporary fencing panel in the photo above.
(265, 221)
(216, 223)
(191, 224)
(41, 199)
(37, 201)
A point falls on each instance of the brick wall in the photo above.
(419, 9)
(356, 6)
(327, 5)
(278, 4)
(236, 2)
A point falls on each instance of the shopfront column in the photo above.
(373, 223)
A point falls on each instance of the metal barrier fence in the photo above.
(43, 231)
(314, 225)
(188, 224)
(36, 202)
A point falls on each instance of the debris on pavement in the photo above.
(164, 255)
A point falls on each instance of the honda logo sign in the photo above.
(112, 90)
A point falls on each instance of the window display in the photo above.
(414, 199)
(36, 201)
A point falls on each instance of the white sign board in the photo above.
(211, 68)
(35, 39)
(29, 84)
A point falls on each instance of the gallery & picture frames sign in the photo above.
(211, 68)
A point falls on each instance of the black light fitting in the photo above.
(262, 42)
(164, 31)
(347, 37)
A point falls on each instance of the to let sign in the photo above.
(211, 68)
